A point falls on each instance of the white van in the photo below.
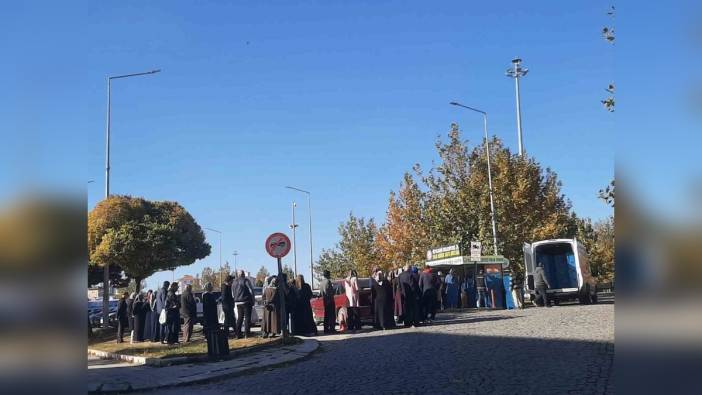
(567, 270)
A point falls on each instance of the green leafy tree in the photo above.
(198, 285)
(289, 273)
(334, 261)
(451, 214)
(131, 287)
(403, 239)
(222, 274)
(118, 279)
(607, 194)
(261, 276)
(598, 240)
(528, 201)
(143, 237)
(208, 275)
(356, 249)
(529, 205)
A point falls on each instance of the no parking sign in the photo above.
(278, 245)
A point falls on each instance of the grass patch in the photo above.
(105, 341)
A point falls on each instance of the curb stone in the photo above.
(144, 377)
(161, 362)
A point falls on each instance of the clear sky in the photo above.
(336, 98)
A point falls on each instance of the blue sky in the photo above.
(336, 98)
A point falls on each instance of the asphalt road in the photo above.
(563, 349)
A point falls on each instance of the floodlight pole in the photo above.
(516, 72)
(106, 266)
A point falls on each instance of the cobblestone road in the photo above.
(565, 349)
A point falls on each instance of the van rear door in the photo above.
(528, 266)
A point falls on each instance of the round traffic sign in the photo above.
(278, 245)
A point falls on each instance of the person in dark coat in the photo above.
(541, 284)
(122, 317)
(139, 311)
(161, 294)
(291, 303)
(410, 294)
(481, 289)
(428, 288)
(188, 310)
(209, 309)
(149, 304)
(303, 322)
(130, 310)
(396, 296)
(383, 302)
(243, 295)
(271, 308)
(172, 314)
(228, 304)
(326, 291)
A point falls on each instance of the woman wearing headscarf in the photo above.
(451, 284)
(209, 309)
(149, 307)
(304, 321)
(352, 294)
(383, 301)
(122, 317)
(396, 296)
(130, 312)
(188, 309)
(271, 308)
(139, 313)
(291, 304)
(172, 314)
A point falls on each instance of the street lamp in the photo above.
(236, 253)
(294, 226)
(106, 268)
(516, 72)
(309, 209)
(220, 255)
(487, 155)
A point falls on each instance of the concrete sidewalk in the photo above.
(120, 377)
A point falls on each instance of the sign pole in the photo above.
(283, 314)
(277, 246)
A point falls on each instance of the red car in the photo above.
(341, 301)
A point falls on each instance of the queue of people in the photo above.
(155, 316)
(404, 296)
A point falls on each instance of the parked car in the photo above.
(95, 313)
(342, 302)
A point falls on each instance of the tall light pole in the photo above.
(517, 72)
(294, 226)
(487, 156)
(236, 254)
(220, 255)
(309, 209)
(106, 268)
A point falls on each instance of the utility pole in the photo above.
(106, 267)
(309, 210)
(516, 72)
(293, 226)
